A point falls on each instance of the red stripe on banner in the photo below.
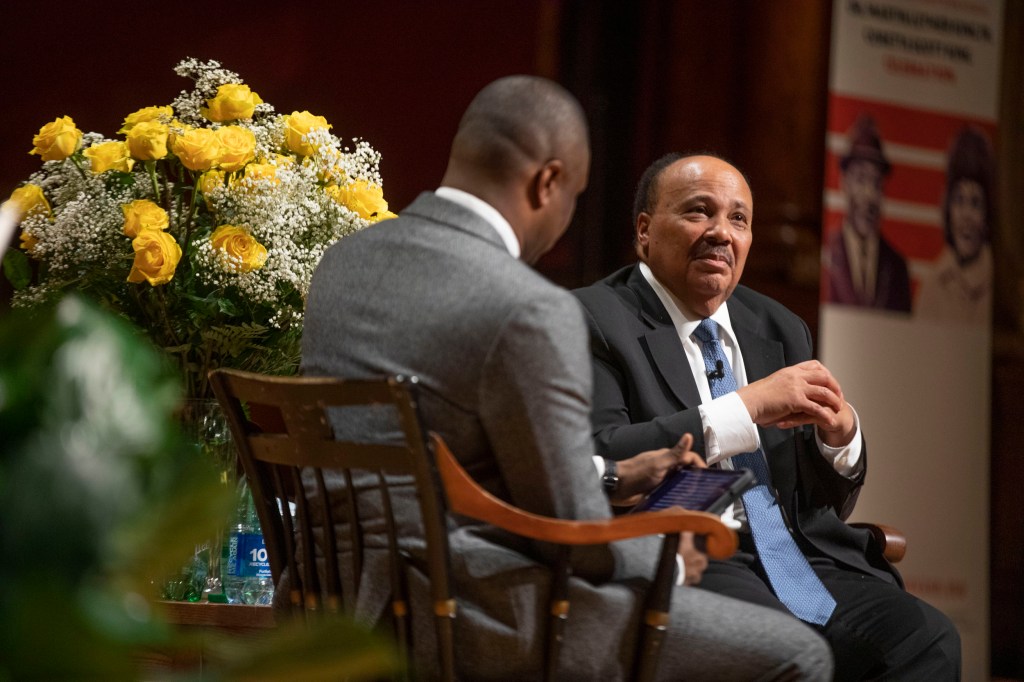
(906, 183)
(911, 240)
(902, 125)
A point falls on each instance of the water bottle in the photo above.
(246, 570)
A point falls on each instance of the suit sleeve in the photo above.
(615, 436)
(535, 408)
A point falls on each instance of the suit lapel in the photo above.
(662, 342)
(761, 355)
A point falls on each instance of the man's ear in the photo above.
(544, 182)
(642, 235)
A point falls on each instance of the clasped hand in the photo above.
(806, 393)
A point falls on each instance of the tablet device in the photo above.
(707, 490)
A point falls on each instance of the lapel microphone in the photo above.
(718, 372)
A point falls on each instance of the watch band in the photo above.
(610, 478)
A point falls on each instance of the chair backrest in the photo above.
(294, 444)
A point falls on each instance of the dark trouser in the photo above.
(877, 631)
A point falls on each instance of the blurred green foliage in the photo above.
(100, 498)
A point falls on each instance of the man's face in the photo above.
(698, 233)
(862, 183)
(967, 224)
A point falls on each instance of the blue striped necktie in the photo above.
(794, 581)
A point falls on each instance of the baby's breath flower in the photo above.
(211, 311)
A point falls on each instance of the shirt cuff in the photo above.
(599, 464)
(846, 459)
(728, 428)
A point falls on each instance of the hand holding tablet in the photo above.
(707, 490)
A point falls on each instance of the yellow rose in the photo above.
(233, 101)
(198, 149)
(297, 124)
(209, 181)
(141, 215)
(329, 168)
(238, 250)
(283, 160)
(362, 198)
(160, 114)
(237, 147)
(27, 199)
(147, 140)
(262, 171)
(110, 156)
(156, 256)
(28, 243)
(57, 140)
(175, 129)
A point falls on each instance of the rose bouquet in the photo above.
(202, 224)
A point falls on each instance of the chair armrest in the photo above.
(467, 498)
(891, 540)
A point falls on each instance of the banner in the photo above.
(906, 288)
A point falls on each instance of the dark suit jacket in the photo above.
(645, 397)
(892, 283)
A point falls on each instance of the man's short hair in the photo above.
(647, 188)
(516, 120)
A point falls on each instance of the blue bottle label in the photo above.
(247, 556)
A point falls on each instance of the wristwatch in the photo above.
(610, 479)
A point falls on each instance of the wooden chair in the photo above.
(892, 541)
(283, 432)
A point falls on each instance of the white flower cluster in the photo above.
(292, 217)
(208, 77)
(78, 238)
(200, 235)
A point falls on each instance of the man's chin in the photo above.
(710, 289)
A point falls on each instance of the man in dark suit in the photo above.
(445, 292)
(679, 347)
(862, 268)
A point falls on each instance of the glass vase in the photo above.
(205, 424)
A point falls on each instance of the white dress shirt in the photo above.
(485, 211)
(728, 428)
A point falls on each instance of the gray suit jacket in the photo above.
(502, 354)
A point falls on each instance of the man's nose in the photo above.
(873, 192)
(718, 229)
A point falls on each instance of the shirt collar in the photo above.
(685, 321)
(487, 212)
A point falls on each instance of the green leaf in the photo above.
(233, 340)
(114, 180)
(17, 268)
(228, 307)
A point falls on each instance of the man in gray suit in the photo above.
(445, 292)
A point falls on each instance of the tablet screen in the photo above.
(710, 490)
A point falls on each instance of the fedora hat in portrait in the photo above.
(865, 144)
